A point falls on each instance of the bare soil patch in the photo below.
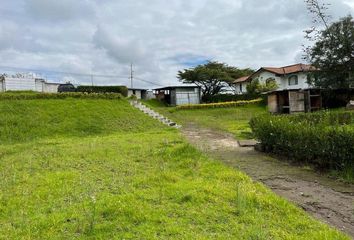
(328, 200)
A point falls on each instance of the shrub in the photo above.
(104, 89)
(30, 96)
(324, 139)
(229, 98)
(219, 105)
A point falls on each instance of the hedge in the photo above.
(219, 105)
(229, 97)
(31, 96)
(104, 89)
(323, 139)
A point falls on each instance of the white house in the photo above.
(294, 94)
(287, 78)
(25, 83)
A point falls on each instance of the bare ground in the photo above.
(328, 200)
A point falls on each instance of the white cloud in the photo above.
(160, 37)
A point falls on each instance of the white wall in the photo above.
(50, 87)
(2, 86)
(137, 93)
(283, 81)
(19, 84)
(244, 87)
(39, 85)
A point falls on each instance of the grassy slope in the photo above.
(233, 120)
(126, 184)
(34, 119)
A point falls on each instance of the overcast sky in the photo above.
(159, 36)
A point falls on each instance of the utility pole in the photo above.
(131, 75)
(92, 80)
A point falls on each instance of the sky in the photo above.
(103, 37)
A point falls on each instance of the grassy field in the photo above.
(98, 169)
(233, 120)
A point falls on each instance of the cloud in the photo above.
(160, 37)
(63, 10)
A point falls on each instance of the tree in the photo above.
(212, 77)
(333, 55)
(255, 87)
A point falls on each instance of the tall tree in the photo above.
(333, 55)
(212, 77)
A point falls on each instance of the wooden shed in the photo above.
(294, 101)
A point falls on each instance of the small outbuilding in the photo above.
(294, 101)
(138, 92)
(179, 95)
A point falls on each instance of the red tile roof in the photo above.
(241, 79)
(290, 69)
(280, 71)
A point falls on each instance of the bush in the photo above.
(229, 98)
(104, 89)
(30, 96)
(219, 105)
(324, 139)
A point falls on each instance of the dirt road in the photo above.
(330, 201)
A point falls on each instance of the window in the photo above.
(241, 87)
(134, 92)
(293, 80)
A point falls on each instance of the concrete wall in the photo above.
(50, 87)
(244, 87)
(19, 84)
(137, 93)
(283, 81)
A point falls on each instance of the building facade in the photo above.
(27, 84)
(179, 95)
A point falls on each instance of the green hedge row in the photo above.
(323, 139)
(219, 105)
(30, 96)
(104, 89)
(229, 98)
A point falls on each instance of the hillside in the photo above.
(25, 120)
(99, 169)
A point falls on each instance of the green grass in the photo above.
(25, 120)
(129, 180)
(233, 120)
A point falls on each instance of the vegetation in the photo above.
(24, 120)
(212, 77)
(255, 87)
(324, 139)
(332, 51)
(234, 120)
(229, 97)
(104, 89)
(33, 95)
(219, 105)
(115, 173)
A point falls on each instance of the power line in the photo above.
(143, 80)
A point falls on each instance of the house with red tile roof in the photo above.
(294, 94)
(288, 77)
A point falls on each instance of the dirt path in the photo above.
(329, 201)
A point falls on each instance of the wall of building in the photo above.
(50, 87)
(19, 84)
(137, 93)
(187, 96)
(283, 81)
